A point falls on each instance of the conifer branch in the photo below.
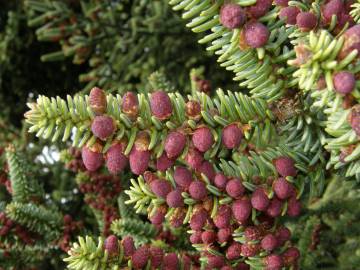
(24, 187)
(36, 218)
(142, 232)
(113, 254)
(314, 63)
(55, 118)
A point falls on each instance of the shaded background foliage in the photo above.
(21, 69)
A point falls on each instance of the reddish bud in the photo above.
(116, 161)
(285, 166)
(193, 109)
(220, 181)
(215, 261)
(234, 251)
(174, 144)
(197, 190)
(241, 209)
(344, 152)
(223, 217)
(92, 160)
(231, 136)
(259, 200)
(224, 235)
(259, 9)
(149, 176)
(163, 162)
(186, 262)
(157, 218)
(321, 83)
(140, 257)
(198, 219)
(306, 21)
(208, 169)
(252, 233)
(269, 242)
(195, 238)
(208, 237)
(129, 247)
(283, 234)
(294, 207)
(289, 14)
(232, 16)
(139, 161)
(303, 55)
(194, 158)
(203, 86)
(352, 41)
(97, 100)
(333, 7)
(249, 249)
(234, 188)
(174, 199)
(273, 262)
(103, 126)
(130, 104)
(290, 256)
(344, 18)
(160, 105)
(161, 188)
(256, 34)
(203, 139)
(183, 177)
(275, 207)
(111, 245)
(157, 255)
(171, 261)
(142, 141)
(344, 82)
(282, 188)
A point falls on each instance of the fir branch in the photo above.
(125, 210)
(56, 118)
(355, 11)
(87, 254)
(24, 187)
(317, 58)
(23, 257)
(305, 242)
(36, 218)
(157, 80)
(142, 232)
(252, 67)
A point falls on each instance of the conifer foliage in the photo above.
(179, 175)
